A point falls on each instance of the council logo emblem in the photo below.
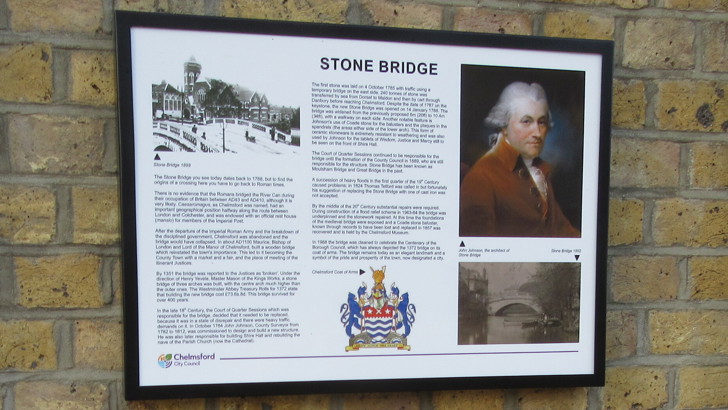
(378, 319)
(164, 360)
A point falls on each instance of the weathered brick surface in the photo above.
(492, 21)
(698, 5)
(625, 4)
(635, 387)
(629, 104)
(404, 14)
(621, 335)
(66, 281)
(117, 276)
(187, 6)
(27, 345)
(55, 395)
(708, 277)
(708, 165)
(659, 43)
(143, 5)
(55, 145)
(95, 215)
(307, 402)
(686, 105)
(578, 25)
(644, 278)
(97, 344)
(701, 332)
(27, 214)
(467, 399)
(625, 221)
(401, 401)
(565, 399)
(703, 387)
(690, 222)
(644, 163)
(75, 16)
(93, 78)
(716, 53)
(53, 126)
(186, 404)
(27, 73)
(322, 11)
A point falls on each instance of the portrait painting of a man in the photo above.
(509, 191)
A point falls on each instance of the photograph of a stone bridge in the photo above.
(222, 135)
(217, 114)
(518, 303)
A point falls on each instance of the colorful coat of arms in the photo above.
(378, 319)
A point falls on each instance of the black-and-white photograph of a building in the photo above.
(518, 303)
(219, 115)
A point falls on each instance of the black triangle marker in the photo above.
(361, 271)
(577, 257)
(156, 157)
(462, 244)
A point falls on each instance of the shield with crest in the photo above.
(379, 317)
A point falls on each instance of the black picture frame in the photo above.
(466, 253)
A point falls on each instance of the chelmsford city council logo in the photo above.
(380, 319)
(164, 360)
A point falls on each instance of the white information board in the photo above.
(314, 208)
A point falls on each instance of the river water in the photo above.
(511, 329)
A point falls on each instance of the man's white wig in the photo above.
(500, 114)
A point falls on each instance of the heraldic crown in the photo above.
(378, 319)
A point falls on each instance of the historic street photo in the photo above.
(221, 100)
(518, 303)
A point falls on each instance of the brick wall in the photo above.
(667, 338)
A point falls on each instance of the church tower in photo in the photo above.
(192, 72)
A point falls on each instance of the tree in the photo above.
(556, 286)
(296, 119)
(222, 101)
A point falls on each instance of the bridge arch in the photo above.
(496, 306)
